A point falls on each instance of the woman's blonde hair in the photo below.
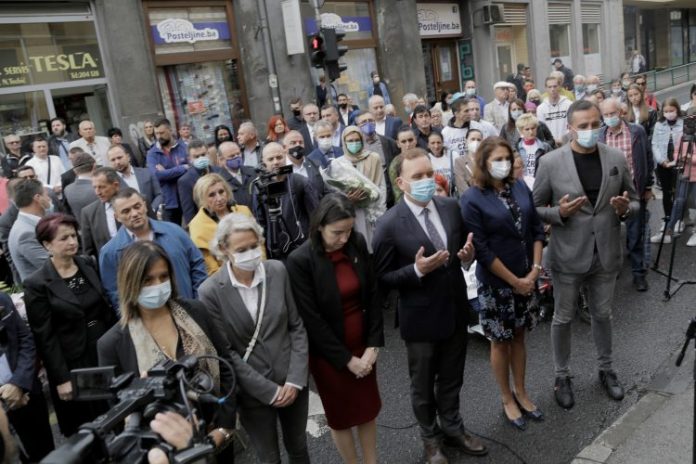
(136, 261)
(526, 119)
(200, 190)
(233, 222)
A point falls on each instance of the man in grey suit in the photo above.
(140, 179)
(33, 202)
(80, 193)
(584, 190)
(97, 219)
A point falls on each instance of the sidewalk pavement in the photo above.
(658, 428)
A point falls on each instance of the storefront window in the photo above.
(356, 81)
(185, 30)
(560, 40)
(23, 114)
(676, 38)
(42, 53)
(203, 95)
(353, 18)
(590, 38)
(692, 35)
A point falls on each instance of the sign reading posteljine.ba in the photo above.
(178, 30)
(70, 63)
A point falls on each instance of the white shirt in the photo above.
(310, 129)
(41, 169)
(110, 219)
(249, 294)
(301, 169)
(251, 157)
(381, 126)
(97, 149)
(417, 211)
(130, 179)
(150, 236)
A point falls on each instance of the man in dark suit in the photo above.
(325, 150)
(235, 173)
(116, 138)
(200, 166)
(80, 193)
(386, 126)
(310, 114)
(69, 176)
(330, 114)
(295, 121)
(97, 219)
(140, 179)
(425, 266)
(295, 153)
(20, 388)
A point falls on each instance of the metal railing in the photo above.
(662, 79)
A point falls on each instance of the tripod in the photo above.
(670, 220)
(690, 334)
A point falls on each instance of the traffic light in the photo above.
(334, 52)
(318, 51)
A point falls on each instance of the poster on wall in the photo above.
(439, 19)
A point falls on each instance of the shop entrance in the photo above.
(504, 61)
(76, 104)
(442, 67)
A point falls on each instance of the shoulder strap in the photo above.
(259, 316)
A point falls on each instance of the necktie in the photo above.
(435, 237)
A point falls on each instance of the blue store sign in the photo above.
(178, 30)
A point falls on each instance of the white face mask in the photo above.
(155, 296)
(472, 146)
(325, 144)
(500, 169)
(247, 260)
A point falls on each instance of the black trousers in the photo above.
(668, 180)
(32, 426)
(437, 374)
(174, 215)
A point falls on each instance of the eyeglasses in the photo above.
(13, 142)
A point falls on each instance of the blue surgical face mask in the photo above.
(234, 163)
(368, 129)
(500, 169)
(423, 190)
(612, 121)
(470, 92)
(155, 296)
(579, 88)
(516, 114)
(587, 138)
(591, 87)
(202, 162)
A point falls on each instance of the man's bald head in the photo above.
(293, 138)
(227, 147)
(86, 130)
(609, 105)
(273, 155)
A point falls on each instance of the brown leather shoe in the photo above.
(433, 453)
(467, 444)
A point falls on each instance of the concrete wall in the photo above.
(399, 51)
(132, 87)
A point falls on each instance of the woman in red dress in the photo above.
(335, 290)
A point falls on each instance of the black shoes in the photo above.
(564, 392)
(520, 423)
(639, 283)
(611, 385)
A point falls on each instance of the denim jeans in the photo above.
(636, 236)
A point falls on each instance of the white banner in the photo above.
(436, 19)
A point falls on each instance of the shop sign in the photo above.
(178, 30)
(436, 19)
(340, 23)
(71, 65)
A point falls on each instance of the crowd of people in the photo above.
(279, 252)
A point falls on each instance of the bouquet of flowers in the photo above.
(341, 175)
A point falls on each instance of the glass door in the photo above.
(504, 61)
(446, 68)
(77, 103)
(24, 114)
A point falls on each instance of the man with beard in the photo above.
(168, 160)
(140, 179)
(301, 164)
(295, 121)
(14, 158)
(59, 141)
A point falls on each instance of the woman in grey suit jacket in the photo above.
(252, 303)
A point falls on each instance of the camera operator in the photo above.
(296, 204)
(175, 430)
(157, 326)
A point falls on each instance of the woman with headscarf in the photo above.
(369, 164)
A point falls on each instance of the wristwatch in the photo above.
(537, 267)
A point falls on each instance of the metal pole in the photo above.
(270, 61)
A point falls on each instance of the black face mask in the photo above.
(296, 112)
(343, 106)
(297, 152)
(536, 102)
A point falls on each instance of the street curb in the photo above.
(668, 381)
(600, 450)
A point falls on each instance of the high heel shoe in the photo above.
(535, 415)
(519, 423)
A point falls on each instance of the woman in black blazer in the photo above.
(509, 236)
(335, 289)
(157, 326)
(68, 312)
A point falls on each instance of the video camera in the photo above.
(689, 127)
(271, 190)
(167, 387)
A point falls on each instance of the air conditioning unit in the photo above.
(493, 14)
